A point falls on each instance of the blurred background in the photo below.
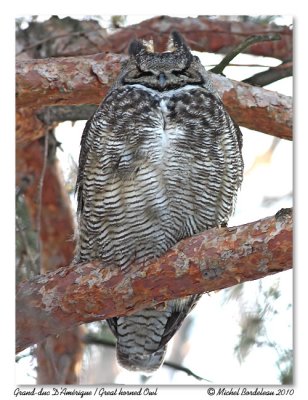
(240, 335)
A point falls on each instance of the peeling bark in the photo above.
(86, 80)
(28, 126)
(216, 259)
(65, 81)
(256, 108)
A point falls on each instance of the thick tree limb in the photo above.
(256, 108)
(65, 81)
(86, 80)
(213, 260)
(70, 37)
(204, 34)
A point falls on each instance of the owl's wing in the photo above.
(84, 148)
(176, 318)
(112, 322)
(238, 133)
(232, 125)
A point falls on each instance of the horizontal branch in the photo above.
(57, 114)
(256, 108)
(86, 80)
(66, 37)
(204, 34)
(218, 258)
(65, 81)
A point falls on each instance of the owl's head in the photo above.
(174, 68)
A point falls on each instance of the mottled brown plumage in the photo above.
(160, 161)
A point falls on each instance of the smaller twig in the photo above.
(66, 113)
(242, 65)
(92, 339)
(241, 47)
(264, 158)
(271, 75)
(177, 367)
(40, 194)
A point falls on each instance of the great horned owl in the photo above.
(160, 161)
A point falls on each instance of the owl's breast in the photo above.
(161, 166)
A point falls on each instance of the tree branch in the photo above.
(204, 34)
(65, 81)
(271, 75)
(71, 37)
(67, 113)
(218, 69)
(216, 259)
(188, 371)
(86, 80)
(256, 108)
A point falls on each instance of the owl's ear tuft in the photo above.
(177, 42)
(135, 47)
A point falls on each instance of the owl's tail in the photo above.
(142, 337)
(146, 363)
(139, 339)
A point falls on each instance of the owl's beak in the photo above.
(162, 79)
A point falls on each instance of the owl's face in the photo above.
(172, 69)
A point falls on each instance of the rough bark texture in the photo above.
(57, 225)
(86, 80)
(216, 259)
(204, 34)
(58, 357)
(70, 37)
(65, 81)
(28, 126)
(256, 108)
